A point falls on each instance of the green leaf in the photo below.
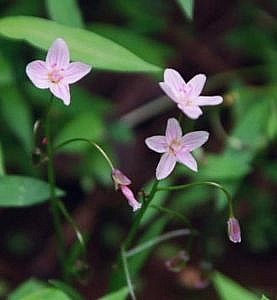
(187, 7)
(65, 12)
(87, 125)
(264, 298)
(2, 165)
(146, 48)
(23, 191)
(67, 289)
(28, 287)
(136, 262)
(230, 290)
(120, 294)
(17, 115)
(84, 45)
(158, 200)
(6, 75)
(224, 167)
(46, 294)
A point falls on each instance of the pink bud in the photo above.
(130, 197)
(121, 182)
(234, 230)
(119, 178)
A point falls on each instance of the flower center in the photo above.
(185, 95)
(175, 146)
(55, 76)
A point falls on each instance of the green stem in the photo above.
(91, 143)
(209, 183)
(127, 273)
(155, 241)
(140, 215)
(53, 199)
(74, 225)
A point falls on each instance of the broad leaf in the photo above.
(67, 289)
(230, 290)
(65, 12)
(146, 48)
(121, 294)
(84, 45)
(86, 125)
(23, 191)
(46, 294)
(28, 287)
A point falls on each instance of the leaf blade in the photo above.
(18, 191)
(84, 45)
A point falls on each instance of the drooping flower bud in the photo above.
(121, 182)
(234, 230)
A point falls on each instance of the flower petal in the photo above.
(169, 92)
(157, 143)
(38, 74)
(187, 159)
(61, 91)
(194, 140)
(208, 100)
(196, 84)
(119, 178)
(130, 197)
(173, 130)
(193, 112)
(174, 80)
(165, 166)
(75, 71)
(58, 55)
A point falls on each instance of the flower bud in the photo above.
(234, 230)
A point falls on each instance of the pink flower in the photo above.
(56, 72)
(175, 147)
(234, 230)
(187, 95)
(121, 182)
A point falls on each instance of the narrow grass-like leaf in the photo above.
(230, 290)
(187, 7)
(16, 113)
(84, 45)
(2, 166)
(17, 191)
(65, 12)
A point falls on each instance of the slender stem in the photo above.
(173, 213)
(155, 241)
(91, 143)
(127, 273)
(74, 225)
(53, 199)
(140, 215)
(209, 183)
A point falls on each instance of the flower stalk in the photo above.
(57, 221)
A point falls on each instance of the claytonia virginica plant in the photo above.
(187, 95)
(56, 72)
(176, 148)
